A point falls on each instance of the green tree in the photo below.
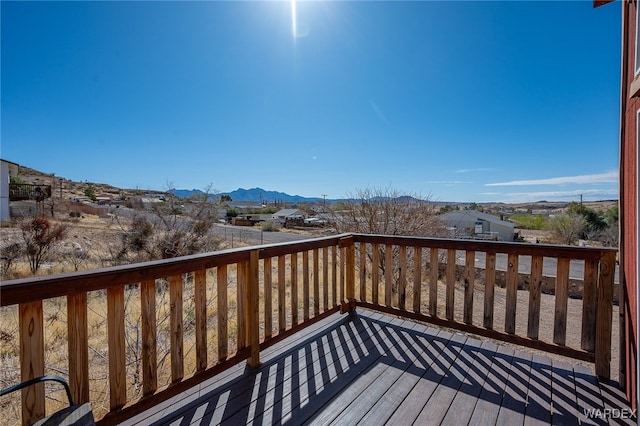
(90, 191)
(567, 227)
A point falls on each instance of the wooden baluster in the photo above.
(433, 281)
(589, 306)
(252, 310)
(469, 284)
(451, 283)
(223, 316)
(489, 287)
(78, 347)
(200, 305)
(535, 290)
(512, 294)
(305, 286)
(388, 275)
(117, 361)
(604, 314)
(149, 347)
(402, 284)
(177, 328)
(316, 283)
(363, 271)
(241, 272)
(294, 289)
(282, 289)
(32, 360)
(417, 278)
(325, 278)
(268, 299)
(375, 273)
(562, 292)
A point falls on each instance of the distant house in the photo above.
(244, 206)
(7, 168)
(475, 224)
(285, 215)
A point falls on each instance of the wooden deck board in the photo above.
(370, 368)
(462, 406)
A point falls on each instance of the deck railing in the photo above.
(226, 306)
(26, 191)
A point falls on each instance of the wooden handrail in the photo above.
(279, 288)
(596, 324)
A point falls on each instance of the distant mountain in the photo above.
(185, 193)
(253, 194)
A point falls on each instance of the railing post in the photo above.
(349, 305)
(604, 315)
(251, 312)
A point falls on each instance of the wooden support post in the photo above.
(32, 360)
(252, 310)
(604, 315)
(363, 271)
(349, 248)
(78, 347)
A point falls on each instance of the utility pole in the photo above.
(324, 203)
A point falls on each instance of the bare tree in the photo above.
(8, 255)
(39, 239)
(387, 211)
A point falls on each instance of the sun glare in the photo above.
(294, 19)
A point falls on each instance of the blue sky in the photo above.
(459, 101)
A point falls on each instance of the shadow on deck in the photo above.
(370, 368)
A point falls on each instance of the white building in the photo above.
(475, 224)
(7, 168)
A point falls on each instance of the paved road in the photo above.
(576, 267)
(252, 236)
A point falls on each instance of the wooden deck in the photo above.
(370, 368)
